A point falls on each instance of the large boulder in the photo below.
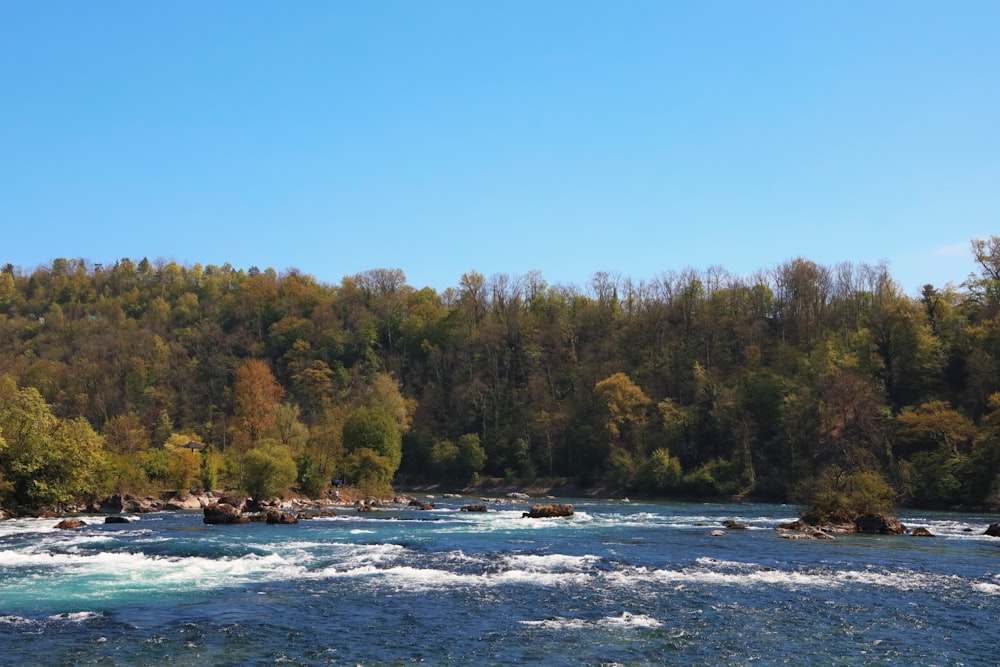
(129, 504)
(68, 524)
(275, 517)
(186, 501)
(474, 508)
(879, 524)
(224, 513)
(421, 505)
(549, 511)
(993, 530)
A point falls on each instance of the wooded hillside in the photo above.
(698, 382)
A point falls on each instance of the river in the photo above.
(618, 583)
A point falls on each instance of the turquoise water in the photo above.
(616, 584)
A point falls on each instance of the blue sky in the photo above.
(632, 137)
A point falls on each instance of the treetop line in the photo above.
(696, 383)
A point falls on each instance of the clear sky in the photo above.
(570, 137)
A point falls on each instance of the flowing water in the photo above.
(616, 584)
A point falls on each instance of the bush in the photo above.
(313, 476)
(269, 470)
(183, 467)
(662, 472)
(716, 478)
(458, 462)
(208, 476)
(836, 495)
(370, 472)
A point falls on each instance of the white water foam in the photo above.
(63, 573)
(624, 620)
(551, 562)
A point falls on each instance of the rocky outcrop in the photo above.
(474, 508)
(129, 504)
(879, 524)
(821, 526)
(550, 511)
(421, 505)
(69, 524)
(276, 517)
(993, 530)
(808, 533)
(187, 501)
(224, 513)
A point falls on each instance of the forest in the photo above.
(797, 381)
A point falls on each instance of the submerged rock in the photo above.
(549, 511)
(733, 525)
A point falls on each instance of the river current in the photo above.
(618, 583)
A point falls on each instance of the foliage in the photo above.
(183, 469)
(269, 470)
(458, 462)
(376, 430)
(692, 382)
(369, 471)
(45, 459)
(662, 473)
(837, 495)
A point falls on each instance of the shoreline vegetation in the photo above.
(824, 387)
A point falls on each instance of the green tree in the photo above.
(269, 470)
(458, 462)
(46, 459)
(374, 429)
(836, 495)
(662, 472)
(369, 471)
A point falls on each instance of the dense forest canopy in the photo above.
(146, 375)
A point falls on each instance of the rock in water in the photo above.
(283, 518)
(993, 530)
(421, 505)
(224, 513)
(879, 523)
(474, 508)
(67, 524)
(549, 511)
(922, 532)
